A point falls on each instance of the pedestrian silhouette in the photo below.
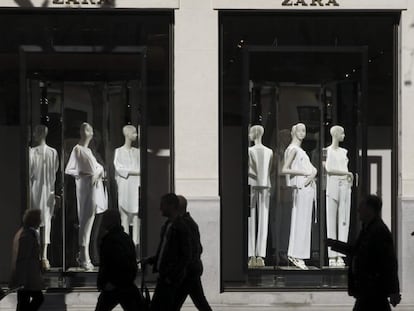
(118, 267)
(373, 270)
(191, 285)
(26, 264)
(172, 257)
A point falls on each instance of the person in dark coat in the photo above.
(118, 267)
(191, 285)
(373, 270)
(172, 257)
(26, 264)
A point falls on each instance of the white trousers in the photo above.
(259, 204)
(47, 224)
(301, 222)
(338, 210)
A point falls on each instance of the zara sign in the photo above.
(310, 3)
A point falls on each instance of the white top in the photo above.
(127, 160)
(301, 162)
(336, 159)
(260, 166)
(44, 164)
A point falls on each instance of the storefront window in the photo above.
(86, 101)
(307, 112)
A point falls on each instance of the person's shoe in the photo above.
(252, 262)
(340, 262)
(332, 262)
(260, 262)
(45, 264)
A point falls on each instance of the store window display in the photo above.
(338, 193)
(43, 166)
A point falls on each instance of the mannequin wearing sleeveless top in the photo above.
(338, 194)
(300, 175)
(260, 164)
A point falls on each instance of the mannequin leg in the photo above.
(136, 227)
(252, 224)
(263, 223)
(331, 222)
(85, 229)
(124, 220)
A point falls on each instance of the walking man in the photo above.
(373, 270)
(191, 285)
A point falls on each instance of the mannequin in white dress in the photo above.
(128, 178)
(90, 194)
(260, 166)
(338, 194)
(44, 164)
(300, 175)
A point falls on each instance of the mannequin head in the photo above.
(256, 132)
(130, 132)
(86, 131)
(337, 133)
(298, 131)
(40, 133)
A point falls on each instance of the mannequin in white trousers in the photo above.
(260, 165)
(128, 175)
(44, 164)
(338, 194)
(90, 194)
(300, 175)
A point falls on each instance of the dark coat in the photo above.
(373, 269)
(118, 263)
(176, 256)
(26, 265)
(195, 267)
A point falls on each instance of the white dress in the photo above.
(44, 164)
(91, 200)
(304, 199)
(338, 197)
(260, 166)
(125, 161)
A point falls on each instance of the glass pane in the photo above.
(284, 90)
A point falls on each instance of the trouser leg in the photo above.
(23, 300)
(164, 295)
(197, 296)
(252, 224)
(107, 300)
(344, 210)
(129, 298)
(301, 223)
(331, 222)
(181, 294)
(124, 220)
(263, 222)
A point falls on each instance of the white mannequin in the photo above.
(260, 165)
(44, 164)
(90, 194)
(300, 175)
(128, 178)
(338, 193)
